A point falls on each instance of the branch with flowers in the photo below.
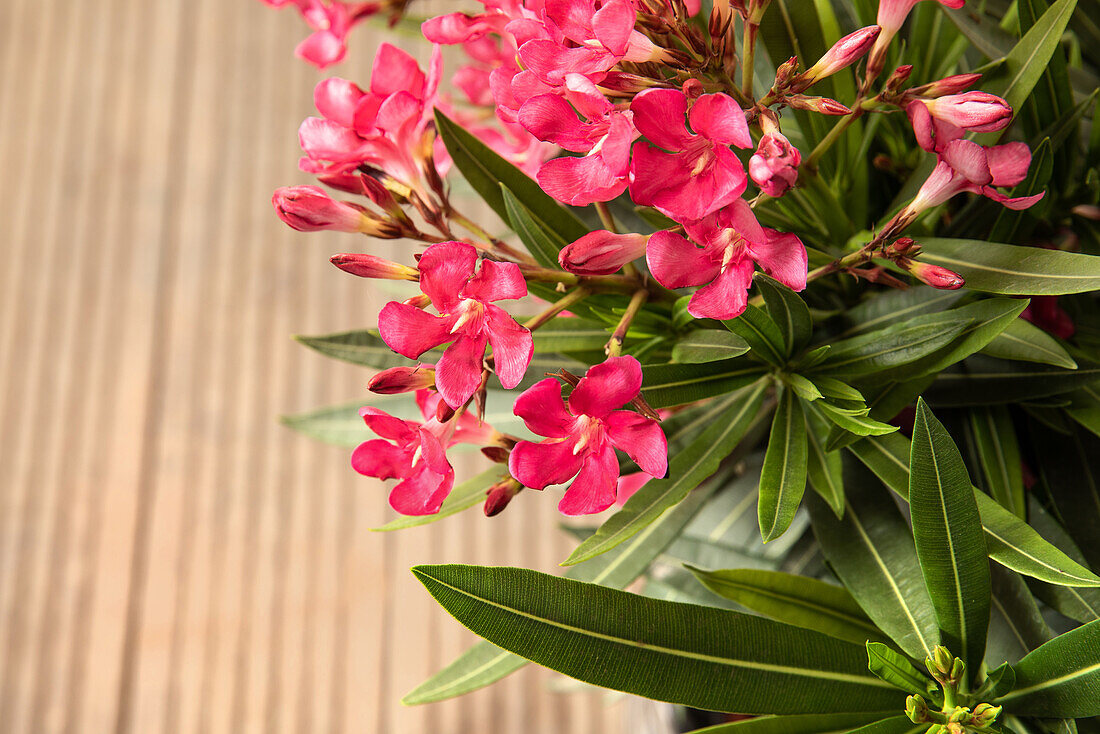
(740, 253)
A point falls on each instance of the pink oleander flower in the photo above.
(953, 84)
(387, 127)
(937, 122)
(696, 173)
(967, 166)
(936, 276)
(370, 266)
(774, 165)
(583, 433)
(843, 54)
(331, 21)
(310, 209)
(730, 244)
(466, 317)
(416, 453)
(397, 380)
(602, 252)
(601, 131)
(891, 16)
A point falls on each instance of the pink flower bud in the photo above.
(602, 252)
(936, 276)
(978, 111)
(402, 379)
(774, 166)
(500, 494)
(843, 54)
(822, 105)
(948, 85)
(309, 209)
(369, 266)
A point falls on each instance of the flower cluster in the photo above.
(598, 101)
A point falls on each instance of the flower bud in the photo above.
(496, 454)
(402, 379)
(774, 165)
(309, 209)
(843, 54)
(978, 111)
(823, 105)
(948, 85)
(500, 494)
(984, 714)
(896, 80)
(916, 708)
(785, 73)
(944, 279)
(420, 300)
(939, 662)
(369, 266)
(602, 252)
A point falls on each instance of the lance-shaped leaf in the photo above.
(1013, 270)
(1025, 342)
(793, 724)
(797, 600)
(1011, 541)
(687, 470)
(659, 649)
(757, 328)
(1061, 678)
(570, 335)
(541, 241)
(486, 171)
(893, 668)
(1016, 626)
(470, 493)
(894, 346)
(485, 663)
(788, 311)
(950, 544)
(708, 345)
(871, 550)
(363, 347)
(824, 469)
(1075, 603)
(897, 306)
(666, 385)
(985, 381)
(1071, 472)
(892, 725)
(999, 453)
(783, 477)
(340, 425)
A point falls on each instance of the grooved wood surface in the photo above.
(171, 558)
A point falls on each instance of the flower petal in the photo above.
(1008, 163)
(543, 411)
(512, 346)
(496, 281)
(613, 25)
(726, 297)
(782, 256)
(538, 465)
(549, 117)
(395, 70)
(606, 386)
(676, 262)
(423, 492)
(410, 331)
(444, 270)
(387, 426)
(602, 252)
(969, 159)
(594, 488)
(381, 459)
(1017, 203)
(580, 181)
(336, 99)
(655, 172)
(322, 49)
(659, 115)
(458, 372)
(641, 438)
(719, 118)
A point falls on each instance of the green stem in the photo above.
(615, 345)
(748, 57)
(606, 217)
(495, 246)
(574, 296)
(827, 142)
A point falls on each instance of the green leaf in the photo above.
(666, 385)
(788, 311)
(1026, 342)
(362, 347)
(470, 493)
(871, 551)
(895, 669)
(893, 307)
(570, 335)
(687, 470)
(757, 328)
(892, 725)
(485, 663)
(854, 420)
(797, 600)
(658, 649)
(985, 381)
(1011, 541)
(543, 243)
(708, 345)
(999, 454)
(824, 469)
(1071, 471)
(338, 425)
(947, 530)
(1013, 270)
(1061, 678)
(783, 478)
(1016, 626)
(803, 387)
(486, 171)
(792, 724)
(894, 346)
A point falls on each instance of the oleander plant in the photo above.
(739, 250)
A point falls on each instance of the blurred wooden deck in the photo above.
(171, 558)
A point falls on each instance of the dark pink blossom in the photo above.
(416, 453)
(891, 16)
(967, 166)
(936, 276)
(463, 297)
(727, 247)
(774, 165)
(582, 121)
(331, 20)
(939, 121)
(687, 174)
(843, 54)
(310, 209)
(602, 252)
(583, 433)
